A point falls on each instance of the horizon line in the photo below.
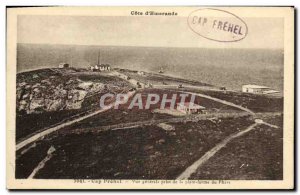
(148, 46)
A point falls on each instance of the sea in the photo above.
(230, 68)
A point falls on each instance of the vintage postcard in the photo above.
(150, 98)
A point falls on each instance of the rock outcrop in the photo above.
(54, 94)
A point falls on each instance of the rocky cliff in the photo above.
(38, 93)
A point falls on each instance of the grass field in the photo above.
(147, 152)
(257, 155)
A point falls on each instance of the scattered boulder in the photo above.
(27, 86)
(73, 105)
(46, 81)
(54, 105)
(35, 76)
(36, 85)
(22, 102)
(36, 90)
(75, 99)
(200, 149)
(25, 96)
(166, 127)
(85, 85)
(20, 92)
(148, 147)
(161, 141)
(22, 107)
(116, 174)
(96, 87)
(60, 93)
(155, 155)
(21, 84)
(79, 95)
(51, 150)
(36, 105)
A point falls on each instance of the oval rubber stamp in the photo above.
(217, 25)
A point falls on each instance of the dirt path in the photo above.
(207, 97)
(42, 163)
(50, 130)
(53, 129)
(129, 125)
(193, 168)
(173, 86)
(220, 101)
(193, 118)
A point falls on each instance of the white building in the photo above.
(63, 65)
(189, 108)
(142, 73)
(104, 67)
(257, 89)
(100, 67)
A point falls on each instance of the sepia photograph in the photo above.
(150, 97)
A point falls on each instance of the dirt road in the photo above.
(191, 169)
(60, 126)
(128, 125)
(51, 130)
(205, 96)
(220, 101)
(196, 165)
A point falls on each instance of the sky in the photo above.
(264, 33)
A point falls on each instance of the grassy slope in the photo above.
(257, 155)
(147, 152)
